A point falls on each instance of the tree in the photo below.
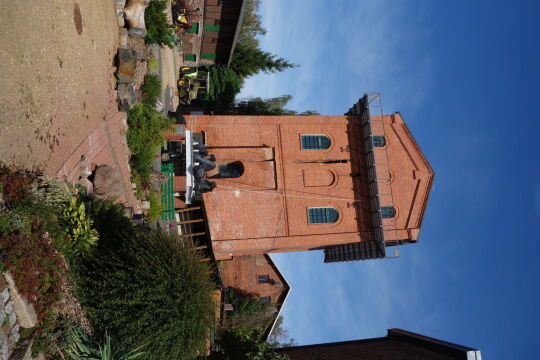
(279, 337)
(249, 60)
(249, 311)
(225, 84)
(272, 106)
(243, 344)
(251, 25)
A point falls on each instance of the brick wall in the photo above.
(242, 273)
(265, 209)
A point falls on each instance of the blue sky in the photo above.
(464, 74)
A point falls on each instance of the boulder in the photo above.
(26, 314)
(135, 16)
(137, 32)
(127, 63)
(107, 181)
(127, 96)
(123, 35)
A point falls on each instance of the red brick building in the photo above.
(351, 185)
(257, 275)
(212, 36)
(397, 345)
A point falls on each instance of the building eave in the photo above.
(287, 291)
(237, 31)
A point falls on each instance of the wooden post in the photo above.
(188, 209)
(189, 221)
(194, 234)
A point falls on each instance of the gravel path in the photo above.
(57, 86)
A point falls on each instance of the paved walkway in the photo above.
(107, 145)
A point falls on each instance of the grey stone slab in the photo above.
(5, 295)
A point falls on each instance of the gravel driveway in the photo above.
(56, 60)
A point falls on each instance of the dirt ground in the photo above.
(56, 66)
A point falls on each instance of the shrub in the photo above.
(144, 137)
(244, 344)
(110, 221)
(152, 64)
(151, 90)
(81, 237)
(159, 31)
(155, 206)
(81, 346)
(153, 291)
(36, 268)
(51, 192)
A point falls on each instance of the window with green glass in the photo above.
(315, 142)
(194, 29)
(208, 56)
(190, 57)
(378, 141)
(322, 215)
(211, 28)
(388, 212)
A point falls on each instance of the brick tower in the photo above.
(351, 185)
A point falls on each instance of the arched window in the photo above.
(315, 142)
(231, 170)
(378, 141)
(322, 215)
(388, 212)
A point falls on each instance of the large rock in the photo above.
(127, 96)
(107, 181)
(135, 16)
(26, 314)
(127, 63)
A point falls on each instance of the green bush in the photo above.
(152, 64)
(153, 291)
(144, 137)
(81, 237)
(51, 192)
(151, 90)
(225, 84)
(110, 221)
(81, 346)
(244, 344)
(159, 31)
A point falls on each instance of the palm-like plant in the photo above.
(83, 347)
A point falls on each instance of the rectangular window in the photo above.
(211, 28)
(208, 56)
(225, 2)
(194, 29)
(263, 279)
(190, 57)
(265, 299)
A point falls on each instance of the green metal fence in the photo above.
(167, 192)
